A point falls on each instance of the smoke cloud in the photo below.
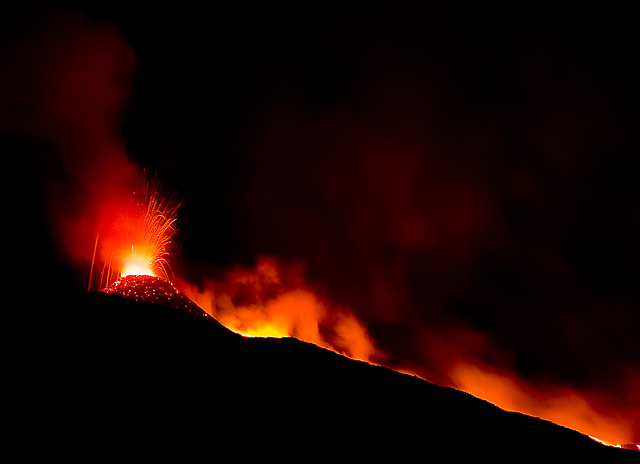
(65, 83)
(273, 300)
(464, 243)
(475, 225)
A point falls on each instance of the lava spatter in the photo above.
(154, 290)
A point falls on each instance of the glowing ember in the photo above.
(154, 290)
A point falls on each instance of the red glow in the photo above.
(138, 238)
(383, 192)
(262, 303)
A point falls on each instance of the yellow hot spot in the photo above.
(138, 263)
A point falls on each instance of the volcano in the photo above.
(139, 364)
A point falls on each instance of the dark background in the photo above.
(436, 167)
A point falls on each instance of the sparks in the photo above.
(159, 229)
(138, 237)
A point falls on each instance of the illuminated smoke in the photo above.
(585, 412)
(65, 84)
(272, 301)
(408, 221)
(400, 215)
(137, 239)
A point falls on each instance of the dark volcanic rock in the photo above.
(110, 373)
(154, 290)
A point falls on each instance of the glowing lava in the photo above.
(138, 263)
(604, 442)
(137, 238)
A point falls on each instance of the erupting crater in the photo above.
(135, 237)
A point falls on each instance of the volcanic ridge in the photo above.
(153, 369)
(154, 290)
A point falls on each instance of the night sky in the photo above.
(462, 177)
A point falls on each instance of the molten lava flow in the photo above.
(136, 238)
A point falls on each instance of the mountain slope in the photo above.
(104, 372)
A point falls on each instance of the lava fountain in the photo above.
(137, 238)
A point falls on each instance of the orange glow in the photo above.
(605, 443)
(391, 199)
(263, 303)
(136, 237)
(559, 405)
(275, 301)
(138, 263)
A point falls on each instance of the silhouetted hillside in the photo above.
(101, 373)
